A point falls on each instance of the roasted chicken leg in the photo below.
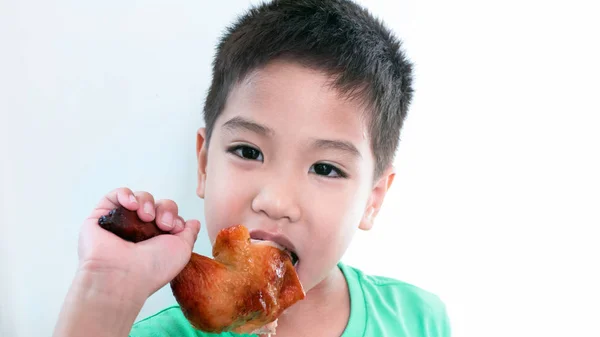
(243, 289)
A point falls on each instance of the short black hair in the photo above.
(338, 37)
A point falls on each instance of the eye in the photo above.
(247, 152)
(327, 170)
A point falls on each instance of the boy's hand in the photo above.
(115, 277)
(145, 266)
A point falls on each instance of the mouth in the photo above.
(280, 242)
(293, 257)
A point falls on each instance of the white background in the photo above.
(495, 207)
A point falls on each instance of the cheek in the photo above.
(225, 200)
(335, 224)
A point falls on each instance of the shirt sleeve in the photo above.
(438, 323)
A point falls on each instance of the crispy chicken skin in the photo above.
(245, 287)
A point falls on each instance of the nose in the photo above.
(278, 200)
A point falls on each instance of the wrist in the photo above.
(117, 285)
(100, 304)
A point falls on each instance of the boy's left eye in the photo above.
(327, 170)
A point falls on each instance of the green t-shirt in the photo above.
(379, 306)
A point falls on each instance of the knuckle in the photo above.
(122, 190)
(168, 204)
(144, 195)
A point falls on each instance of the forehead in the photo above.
(295, 100)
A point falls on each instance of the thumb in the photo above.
(168, 254)
(190, 233)
(172, 249)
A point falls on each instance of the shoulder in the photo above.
(397, 303)
(167, 322)
(398, 291)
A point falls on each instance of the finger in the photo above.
(122, 196)
(166, 213)
(146, 212)
(190, 232)
(178, 225)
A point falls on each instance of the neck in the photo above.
(326, 307)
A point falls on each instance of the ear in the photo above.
(202, 156)
(380, 188)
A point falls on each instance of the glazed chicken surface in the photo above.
(243, 289)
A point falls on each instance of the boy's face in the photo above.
(288, 157)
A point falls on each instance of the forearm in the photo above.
(98, 305)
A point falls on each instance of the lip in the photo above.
(278, 238)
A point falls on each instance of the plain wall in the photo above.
(495, 206)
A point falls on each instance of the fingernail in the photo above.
(167, 220)
(178, 224)
(132, 199)
(148, 209)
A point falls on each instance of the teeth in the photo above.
(268, 243)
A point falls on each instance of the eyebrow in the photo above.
(338, 145)
(237, 123)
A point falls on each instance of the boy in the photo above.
(302, 121)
